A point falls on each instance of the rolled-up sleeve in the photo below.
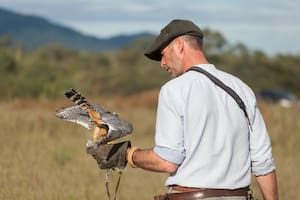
(170, 155)
(169, 127)
(262, 161)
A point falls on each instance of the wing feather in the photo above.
(75, 114)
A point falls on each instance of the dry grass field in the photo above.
(42, 157)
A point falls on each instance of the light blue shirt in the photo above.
(202, 129)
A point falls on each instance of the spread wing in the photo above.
(75, 114)
(78, 115)
(107, 124)
(115, 123)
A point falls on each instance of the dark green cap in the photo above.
(174, 29)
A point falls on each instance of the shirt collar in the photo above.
(207, 67)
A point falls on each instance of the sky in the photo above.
(272, 26)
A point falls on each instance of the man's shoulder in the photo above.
(184, 79)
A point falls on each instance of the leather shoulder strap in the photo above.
(227, 89)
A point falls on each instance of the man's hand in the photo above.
(109, 156)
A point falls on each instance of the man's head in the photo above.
(171, 31)
(178, 47)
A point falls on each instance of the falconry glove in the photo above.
(109, 156)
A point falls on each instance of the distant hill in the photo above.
(33, 32)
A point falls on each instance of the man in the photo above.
(202, 138)
(210, 135)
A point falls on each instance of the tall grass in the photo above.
(42, 157)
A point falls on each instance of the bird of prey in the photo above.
(107, 124)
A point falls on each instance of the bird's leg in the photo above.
(99, 131)
(96, 133)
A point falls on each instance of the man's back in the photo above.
(213, 130)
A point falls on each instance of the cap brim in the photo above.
(154, 51)
(156, 55)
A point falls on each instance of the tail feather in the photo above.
(77, 98)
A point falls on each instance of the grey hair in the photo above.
(194, 41)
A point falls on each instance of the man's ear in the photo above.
(179, 45)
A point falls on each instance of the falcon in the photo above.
(106, 124)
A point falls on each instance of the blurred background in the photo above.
(96, 47)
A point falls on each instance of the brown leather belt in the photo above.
(205, 193)
(185, 189)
